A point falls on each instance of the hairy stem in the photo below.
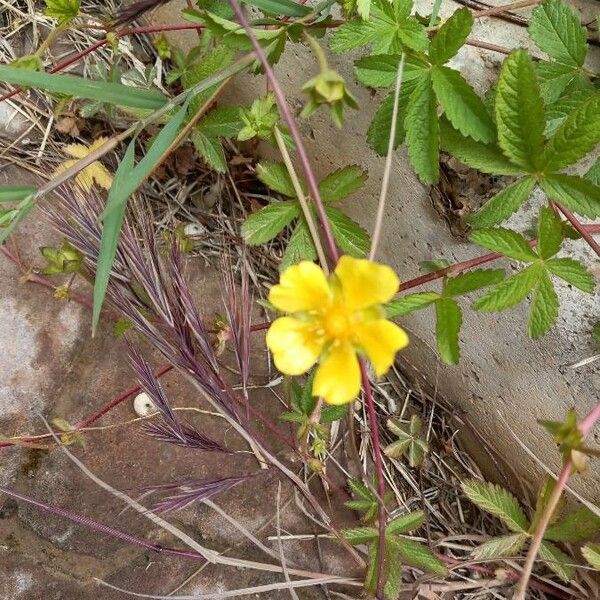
(308, 216)
(579, 227)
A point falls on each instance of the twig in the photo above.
(289, 121)
(312, 227)
(388, 163)
(498, 10)
(585, 427)
(380, 476)
(487, 46)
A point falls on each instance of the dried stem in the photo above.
(498, 10)
(312, 226)
(585, 427)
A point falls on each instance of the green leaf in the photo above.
(505, 241)
(63, 10)
(405, 523)
(418, 556)
(549, 234)
(329, 414)
(341, 183)
(520, 112)
(223, 121)
(352, 34)
(410, 303)
(577, 526)
(576, 193)
(9, 219)
(451, 36)
(378, 135)
(360, 535)
(287, 8)
(264, 225)
(557, 561)
(16, 193)
(276, 177)
(78, 87)
(593, 174)
(503, 204)
(462, 106)
(543, 497)
(447, 328)
(381, 70)
(210, 149)
(430, 266)
(300, 247)
(558, 112)
(497, 501)
(511, 291)
(577, 136)
(409, 441)
(573, 272)
(470, 281)
(423, 131)
(591, 553)
(557, 30)
(553, 79)
(349, 235)
(116, 205)
(544, 307)
(500, 547)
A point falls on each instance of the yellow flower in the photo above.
(93, 173)
(331, 320)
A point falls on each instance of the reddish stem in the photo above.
(579, 227)
(380, 476)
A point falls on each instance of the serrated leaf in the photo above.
(341, 183)
(352, 34)
(576, 193)
(350, 236)
(591, 553)
(544, 307)
(288, 8)
(578, 526)
(223, 121)
(210, 149)
(462, 106)
(573, 272)
(410, 303)
(557, 561)
(470, 281)
(577, 136)
(502, 205)
(451, 36)
(418, 556)
(276, 177)
(409, 441)
(381, 70)
(505, 241)
(329, 414)
(447, 328)
(63, 10)
(549, 233)
(486, 158)
(500, 547)
(593, 174)
(264, 225)
(558, 112)
(300, 247)
(520, 112)
(509, 292)
(553, 78)
(360, 535)
(557, 30)
(423, 131)
(497, 501)
(405, 523)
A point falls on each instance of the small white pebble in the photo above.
(193, 229)
(143, 405)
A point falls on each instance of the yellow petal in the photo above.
(365, 283)
(294, 346)
(77, 150)
(101, 175)
(302, 287)
(96, 144)
(85, 180)
(337, 378)
(63, 167)
(380, 340)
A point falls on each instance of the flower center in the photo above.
(337, 322)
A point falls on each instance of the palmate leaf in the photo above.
(557, 561)
(549, 233)
(405, 523)
(497, 501)
(544, 307)
(360, 535)
(576, 193)
(451, 36)
(573, 272)
(557, 30)
(300, 246)
(520, 112)
(418, 556)
(472, 280)
(410, 303)
(505, 241)
(447, 327)
(500, 547)
(409, 442)
(381, 70)
(591, 553)
(341, 183)
(349, 235)
(264, 225)
(276, 177)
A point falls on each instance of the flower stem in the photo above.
(289, 121)
(585, 426)
(577, 225)
(380, 476)
(312, 227)
(316, 48)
